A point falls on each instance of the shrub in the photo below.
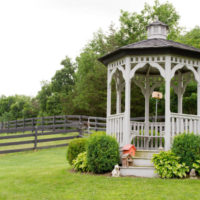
(80, 163)
(196, 166)
(187, 147)
(75, 147)
(102, 153)
(167, 165)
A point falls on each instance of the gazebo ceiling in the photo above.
(153, 46)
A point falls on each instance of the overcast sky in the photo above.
(35, 35)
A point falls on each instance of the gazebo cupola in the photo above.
(157, 29)
(148, 64)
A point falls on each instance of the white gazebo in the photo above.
(150, 63)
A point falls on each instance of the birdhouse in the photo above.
(129, 149)
(157, 95)
(127, 160)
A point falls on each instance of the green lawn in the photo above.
(45, 175)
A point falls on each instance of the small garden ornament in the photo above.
(127, 160)
(116, 171)
(193, 174)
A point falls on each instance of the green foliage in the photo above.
(191, 37)
(102, 153)
(187, 147)
(80, 163)
(53, 95)
(168, 165)
(75, 147)
(18, 107)
(196, 166)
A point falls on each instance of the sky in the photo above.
(35, 35)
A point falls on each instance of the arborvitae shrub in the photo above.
(76, 147)
(102, 153)
(187, 147)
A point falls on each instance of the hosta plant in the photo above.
(196, 166)
(168, 165)
(80, 163)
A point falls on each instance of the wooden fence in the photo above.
(37, 133)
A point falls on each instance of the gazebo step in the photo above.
(148, 172)
(145, 153)
(139, 161)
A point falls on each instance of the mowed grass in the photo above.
(45, 175)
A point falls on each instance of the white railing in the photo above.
(147, 137)
(183, 123)
(115, 126)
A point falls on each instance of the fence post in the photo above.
(65, 122)
(54, 121)
(42, 124)
(88, 125)
(16, 125)
(80, 126)
(23, 125)
(35, 142)
(96, 121)
(32, 124)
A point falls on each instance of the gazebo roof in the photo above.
(151, 46)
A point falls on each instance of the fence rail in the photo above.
(38, 133)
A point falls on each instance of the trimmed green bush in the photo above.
(75, 147)
(102, 153)
(167, 165)
(187, 147)
(80, 163)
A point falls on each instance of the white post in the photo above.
(147, 95)
(127, 102)
(118, 91)
(108, 101)
(198, 94)
(167, 103)
(180, 93)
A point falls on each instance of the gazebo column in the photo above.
(147, 96)
(127, 102)
(108, 102)
(198, 94)
(118, 93)
(167, 103)
(198, 99)
(180, 93)
(147, 113)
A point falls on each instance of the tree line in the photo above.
(79, 87)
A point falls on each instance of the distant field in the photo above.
(45, 175)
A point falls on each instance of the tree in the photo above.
(52, 94)
(18, 107)
(89, 94)
(191, 37)
(63, 80)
